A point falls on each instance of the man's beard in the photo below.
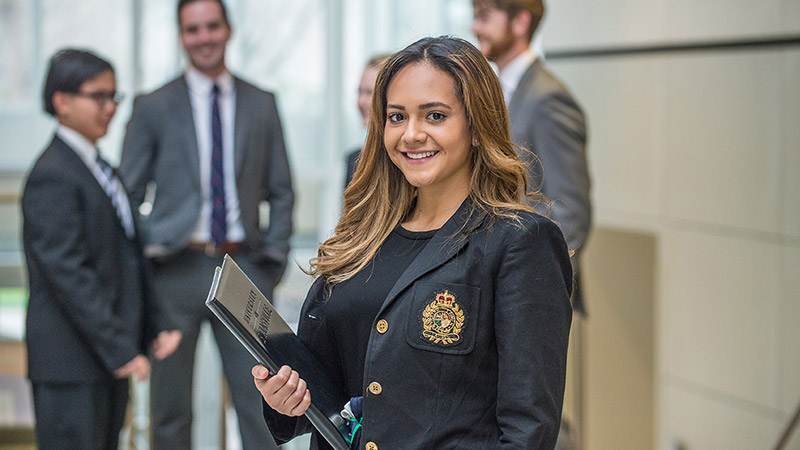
(497, 48)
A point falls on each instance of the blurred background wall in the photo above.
(691, 272)
(696, 147)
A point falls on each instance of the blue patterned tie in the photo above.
(116, 193)
(219, 226)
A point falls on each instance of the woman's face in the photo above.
(426, 131)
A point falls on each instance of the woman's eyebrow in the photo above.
(434, 105)
(422, 106)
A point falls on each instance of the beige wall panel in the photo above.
(705, 423)
(791, 15)
(570, 24)
(619, 97)
(626, 22)
(618, 340)
(717, 314)
(724, 138)
(791, 144)
(789, 336)
(723, 19)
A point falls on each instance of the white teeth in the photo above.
(420, 155)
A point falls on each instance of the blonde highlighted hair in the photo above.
(379, 197)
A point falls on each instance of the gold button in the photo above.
(371, 446)
(382, 326)
(375, 388)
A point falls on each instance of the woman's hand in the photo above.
(285, 392)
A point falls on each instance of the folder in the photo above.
(247, 313)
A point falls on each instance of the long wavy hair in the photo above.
(379, 197)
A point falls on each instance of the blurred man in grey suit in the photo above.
(546, 120)
(544, 117)
(210, 146)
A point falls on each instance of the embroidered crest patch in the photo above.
(443, 319)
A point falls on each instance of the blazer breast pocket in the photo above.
(443, 317)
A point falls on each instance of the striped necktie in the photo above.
(116, 193)
(219, 225)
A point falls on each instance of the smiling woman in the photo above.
(442, 301)
(428, 138)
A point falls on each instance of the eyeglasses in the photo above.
(101, 97)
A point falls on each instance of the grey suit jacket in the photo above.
(160, 147)
(546, 120)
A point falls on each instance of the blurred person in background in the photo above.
(92, 313)
(544, 117)
(364, 100)
(211, 146)
(546, 120)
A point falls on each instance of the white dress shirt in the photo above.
(512, 73)
(88, 154)
(201, 97)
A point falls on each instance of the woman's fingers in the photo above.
(302, 407)
(285, 392)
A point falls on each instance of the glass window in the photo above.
(17, 45)
(309, 52)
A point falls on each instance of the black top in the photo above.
(354, 303)
(493, 375)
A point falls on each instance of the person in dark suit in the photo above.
(446, 318)
(92, 312)
(364, 100)
(545, 118)
(211, 147)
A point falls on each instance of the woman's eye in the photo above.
(436, 116)
(395, 117)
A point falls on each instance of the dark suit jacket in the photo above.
(501, 382)
(91, 308)
(546, 120)
(161, 147)
(352, 164)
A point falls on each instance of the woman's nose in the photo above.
(413, 133)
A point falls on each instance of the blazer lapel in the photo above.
(184, 124)
(78, 166)
(83, 173)
(243, 109)
(519, 94)
(445, 244)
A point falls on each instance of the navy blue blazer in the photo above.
(91, 307)
(469, 348)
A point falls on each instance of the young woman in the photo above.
(441, 299)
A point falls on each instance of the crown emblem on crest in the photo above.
(443, 319)
(445, 299)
